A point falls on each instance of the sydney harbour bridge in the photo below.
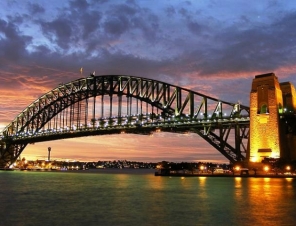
(115, 104)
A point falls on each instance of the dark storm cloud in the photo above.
(129, 64)
(94, 29)
(148, 26)
(204, 50)
(35, 8)
(13, 44)
(129, 10)
(170, 11)
(184, 12)
(76, 22)
(116, 26)
(79, 5)
(123, 18)
(236, 49)
(90, 23)
(195, 28)
(59, 31)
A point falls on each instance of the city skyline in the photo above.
(212, 47)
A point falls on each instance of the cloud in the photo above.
(264, 48)
(208, 51)
(35, 8)
(12, 43)
(116, 26)
(58, 31)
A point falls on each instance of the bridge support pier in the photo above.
(9, 153)
(5, 155)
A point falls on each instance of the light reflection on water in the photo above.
(131, 198)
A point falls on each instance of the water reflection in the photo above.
(131, 199)
(266, 200)
(238, 182)
(202, 181)
(238, 189)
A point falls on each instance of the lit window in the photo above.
(264, 109)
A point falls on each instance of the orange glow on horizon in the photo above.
(160, 147)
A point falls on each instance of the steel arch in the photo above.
(86, 107)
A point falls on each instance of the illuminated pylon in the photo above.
(268, 124)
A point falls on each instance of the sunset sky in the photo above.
(210, 46)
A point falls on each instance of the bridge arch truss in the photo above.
(114, 104)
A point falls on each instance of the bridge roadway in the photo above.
(115, 104)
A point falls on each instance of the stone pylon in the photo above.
(269, 103)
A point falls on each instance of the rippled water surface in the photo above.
(126, 197)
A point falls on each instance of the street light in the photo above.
(202, 168)
(266, 168)
(288, 168)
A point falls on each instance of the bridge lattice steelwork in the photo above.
(114, 104)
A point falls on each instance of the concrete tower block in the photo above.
(265, 104)
(289, 96)
(288, 148)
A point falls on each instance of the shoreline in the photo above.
(162, 174)
(225, 175)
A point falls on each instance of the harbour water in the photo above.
(137, 197)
